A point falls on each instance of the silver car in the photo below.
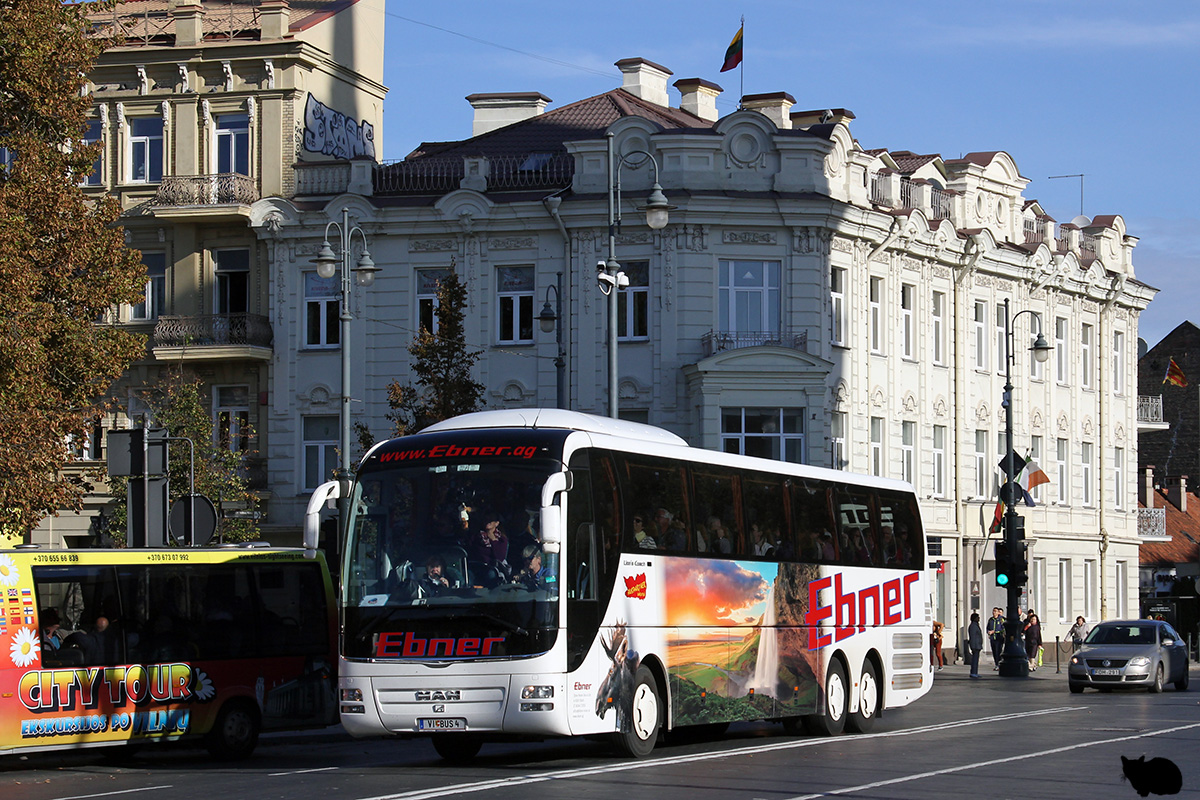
(1124, 653)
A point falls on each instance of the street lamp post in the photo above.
(328, 262)
(550, 319)
(1013, 662)
(611, 278)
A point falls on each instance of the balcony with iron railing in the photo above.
(1152, 524)
(719, 341)
(1149, 408)
(485, 174)
(205, 195)
(212, 336)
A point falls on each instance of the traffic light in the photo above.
(1004, 565)
(1019, 565)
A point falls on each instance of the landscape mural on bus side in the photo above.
(739, 648)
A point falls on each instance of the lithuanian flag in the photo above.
(733, 56)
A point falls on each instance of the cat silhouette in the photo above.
(1156, 776)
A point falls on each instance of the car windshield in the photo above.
(1122, 634)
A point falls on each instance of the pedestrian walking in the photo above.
(1077, 633)
(1033, 639)
(974, 643)
(995, 634)
(935, 645)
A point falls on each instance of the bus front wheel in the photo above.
(645, 718)
(837, 693)
(235, 733)
(869, 693)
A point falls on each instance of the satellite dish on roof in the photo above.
(1081, 221)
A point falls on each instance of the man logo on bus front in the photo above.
(616, 690)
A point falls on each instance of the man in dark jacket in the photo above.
(974, 643)
(995, 633)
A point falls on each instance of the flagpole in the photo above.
(742, 65)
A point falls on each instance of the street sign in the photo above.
(197, 513)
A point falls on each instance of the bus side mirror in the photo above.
(551, 535)
(312, 517)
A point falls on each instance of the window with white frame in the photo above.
(322, 326)
(1063, 469)
(1119, 478)
(981, 339)
(1118, 362)
(1036, 590)
(982, 473)
(233, 144)
(89, 445)
(875, 297)
(1121, 595)
(231, 417)
(776, 433)
(427, 296)
(1085, 355)
(1064, 589)
(748, 296)
(1061, 368)
(1001, 339)
(321, 435)
(938, 313)
(1089, 588)
(154, 294)
(939, 460)
(1085, 473)
(95, 135)
(908, 333)
(1035, 453)
(514, 303)
(633, 303)
(837, 439)
(1037, 369)
(231, 269)
(145, 149)
(908, 443)
(877, 446)
(837, 294)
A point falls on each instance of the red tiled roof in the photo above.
(981, 159)
(908, 162)
(144, 20)
(1184, 530)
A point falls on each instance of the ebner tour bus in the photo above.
(119, 647)
(544, 572)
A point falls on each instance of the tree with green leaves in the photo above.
(178, 404)
(442, 364)
(63, 262)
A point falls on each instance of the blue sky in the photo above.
(1107, 89)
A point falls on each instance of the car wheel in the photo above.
(235, 733)
(869, 700)
(1157, 686)
(457, 747)
(1181, 685)
(833, 721)
(645, 719)
(1076, 688)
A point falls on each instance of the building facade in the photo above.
(204, 109)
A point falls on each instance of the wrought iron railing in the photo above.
(1152, 523)
(940, 202)
(497, 173)
(718, 341)
(1033, 230)
(880, 195)
(906, 193)
(1149, 408)
(212, 330)
(206, 190)
(1087, 243)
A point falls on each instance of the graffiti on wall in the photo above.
(333, 134)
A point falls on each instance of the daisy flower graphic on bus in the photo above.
(25, 648)
(9, 574)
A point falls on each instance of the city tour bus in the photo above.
(545, 572)
(124, 647)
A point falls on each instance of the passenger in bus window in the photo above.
(762, 547)
(783, 545)
(531, 573)
(701, 538)
(50, 625)
(825, 549)
(490, 545)
(663, 521)
(720, 537)
(641, 536)
(676, 538)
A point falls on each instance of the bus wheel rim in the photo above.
(645, 712)
(870, 696)
(836, 695)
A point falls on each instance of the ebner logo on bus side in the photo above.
(883, 604)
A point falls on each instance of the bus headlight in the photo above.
(354, 709)
(352, 695)
(537, 706)
(537, 692)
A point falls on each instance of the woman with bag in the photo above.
(1033, 639)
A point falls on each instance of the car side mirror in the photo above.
(1168, 642)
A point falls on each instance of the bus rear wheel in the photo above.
(833, 721)
(457, 747)
(869, 696)
(645, 718)
(235, 733)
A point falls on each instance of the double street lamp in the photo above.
(328, 262)
(611, 278)
(550, 319)
(1013, 662)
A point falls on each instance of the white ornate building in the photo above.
(808, 299)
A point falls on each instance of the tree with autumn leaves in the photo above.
(63, 261)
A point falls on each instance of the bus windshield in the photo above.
(444, 560)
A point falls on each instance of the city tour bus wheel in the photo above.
(235, 733)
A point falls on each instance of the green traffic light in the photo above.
(1002, 579)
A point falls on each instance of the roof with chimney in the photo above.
(1183, 530)
(153, 22)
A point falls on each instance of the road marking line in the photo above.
(110, 794)
(993, 762)
(301, 771)
(583, 772)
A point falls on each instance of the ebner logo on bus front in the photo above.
(888, 603)
(455, 451)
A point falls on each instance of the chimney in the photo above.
(189, 23)
(773, 105)
(1177, 492)
(821, 116)
(1146, 488)
(495, 110)
(274, 19)
(646, 80)
(699, 97)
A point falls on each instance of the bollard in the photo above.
(1057, 656)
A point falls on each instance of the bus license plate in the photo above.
(439, 724)
(1106, 672)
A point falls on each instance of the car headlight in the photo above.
(1139, 661)
(1076, 660)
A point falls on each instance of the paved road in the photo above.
(993, 738)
